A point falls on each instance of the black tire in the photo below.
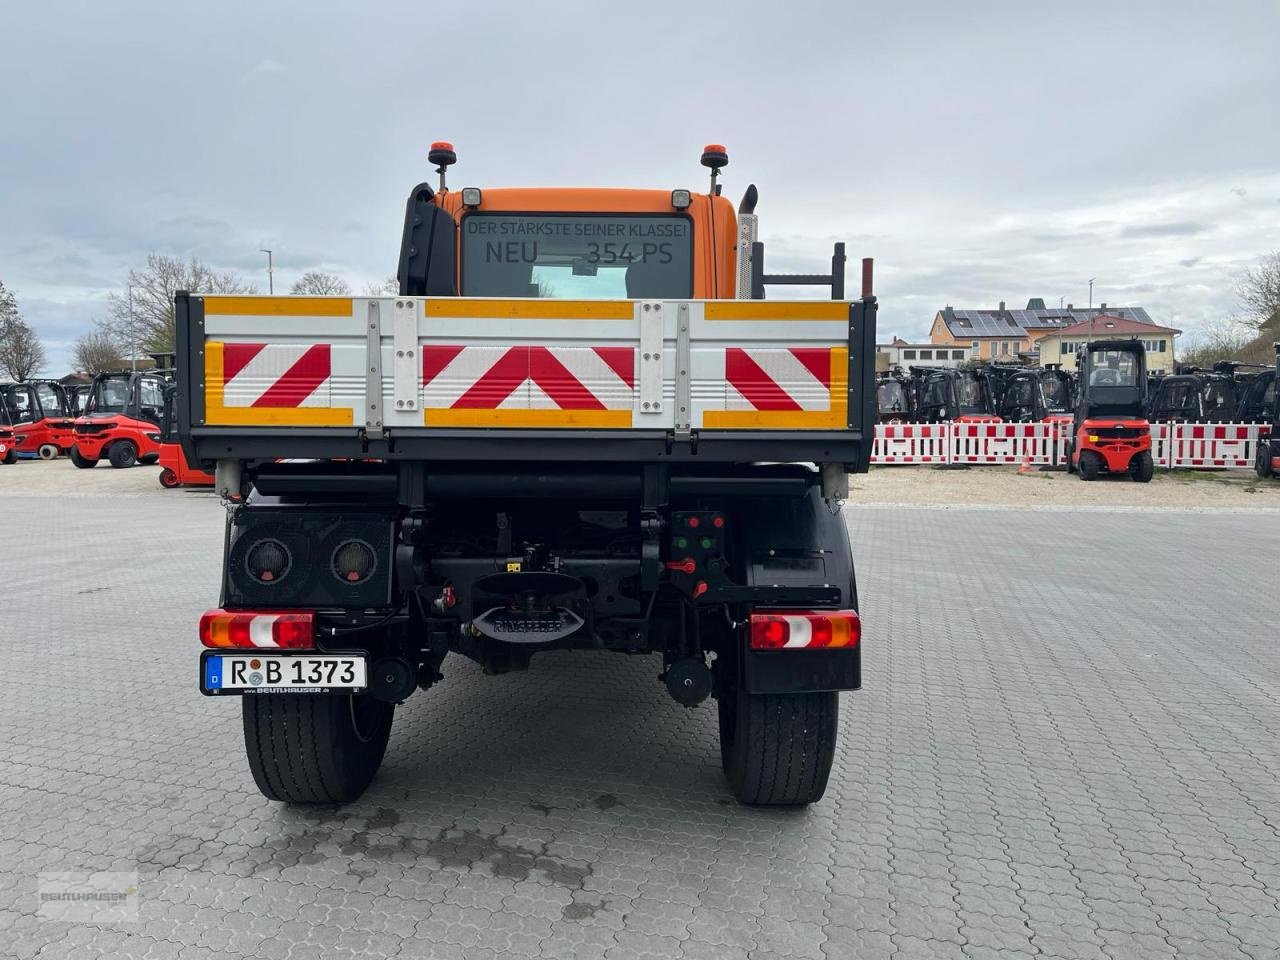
(168, 479)
(1262, 462)
(11, 455)
(149, 459)
(81, 461)
(777, 748)
(1090, 465)
(315, 747)
(1142, 468)
(1071, 467)
(122, 454)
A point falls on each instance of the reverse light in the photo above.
(471, 197)
(293, 630)
(681, 199)
(811, 630)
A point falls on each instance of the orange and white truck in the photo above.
(578, 425)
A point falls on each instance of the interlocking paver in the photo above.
(1020, 776)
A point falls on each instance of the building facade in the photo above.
(1060, 346)
(900, 353)
(1012, 335)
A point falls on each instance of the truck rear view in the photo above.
(578, 426)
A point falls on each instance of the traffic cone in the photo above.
(1025, 468)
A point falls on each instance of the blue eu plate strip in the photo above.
(213, 673)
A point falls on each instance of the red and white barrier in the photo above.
(1018, 443)
(1210, 446)
(1204, 446)
(912, 443)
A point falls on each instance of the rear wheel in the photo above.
(123, 454)
(1090, 465)
(315, 748)
(1262, 462)
(48, 451)
(1142, 468)
(81, 461)
(168, 479)
(777, 748)
(10, 456)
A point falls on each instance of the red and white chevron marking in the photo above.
(528, 378)
(798, 378)
(276, 375)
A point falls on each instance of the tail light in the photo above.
(810, 630)
(227, 628)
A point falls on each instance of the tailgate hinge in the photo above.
(684, 357)
(407, 365)
(373, 374)
(649, 314)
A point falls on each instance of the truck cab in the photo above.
(121, 421)
(1111, 433)
(578, 425)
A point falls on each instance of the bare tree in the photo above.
(98, 352)
(317, 284)
(21, 352)
(1259, 292)
(148, 323)
(387, 288)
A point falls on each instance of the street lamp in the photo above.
(133, 335)
(271, 283)
(1091, 279)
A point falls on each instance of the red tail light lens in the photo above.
(809, 630)
(292, 630)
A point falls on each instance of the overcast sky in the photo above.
(1002, 152)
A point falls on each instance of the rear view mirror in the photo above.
(581, 268)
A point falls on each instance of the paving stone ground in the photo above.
(1066, 748)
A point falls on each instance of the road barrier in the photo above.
(1174, 444)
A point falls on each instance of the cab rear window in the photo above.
(577, 256)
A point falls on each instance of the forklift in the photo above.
(8, 453)
(1179, 396)
(122, 419)
(895, 397)
(1267, 463)
(1017, 392)
(37, 411)
(1110, 431)
(1057, 386)
(947, 395)
(175, 471)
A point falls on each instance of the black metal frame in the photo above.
(760, 279)
(204, 444)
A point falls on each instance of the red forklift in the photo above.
(122, 419)
(7, 452)
(1110, 432)
(174, 469)
(1268, 386)
(38, 414)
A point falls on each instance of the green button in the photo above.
(706, 543)
(681, 542)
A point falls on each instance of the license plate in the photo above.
(273, 673)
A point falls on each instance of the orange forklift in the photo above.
(175, 471)
(1110, 432)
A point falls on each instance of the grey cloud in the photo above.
(1183, 229)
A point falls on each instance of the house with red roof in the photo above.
(1060, 346)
